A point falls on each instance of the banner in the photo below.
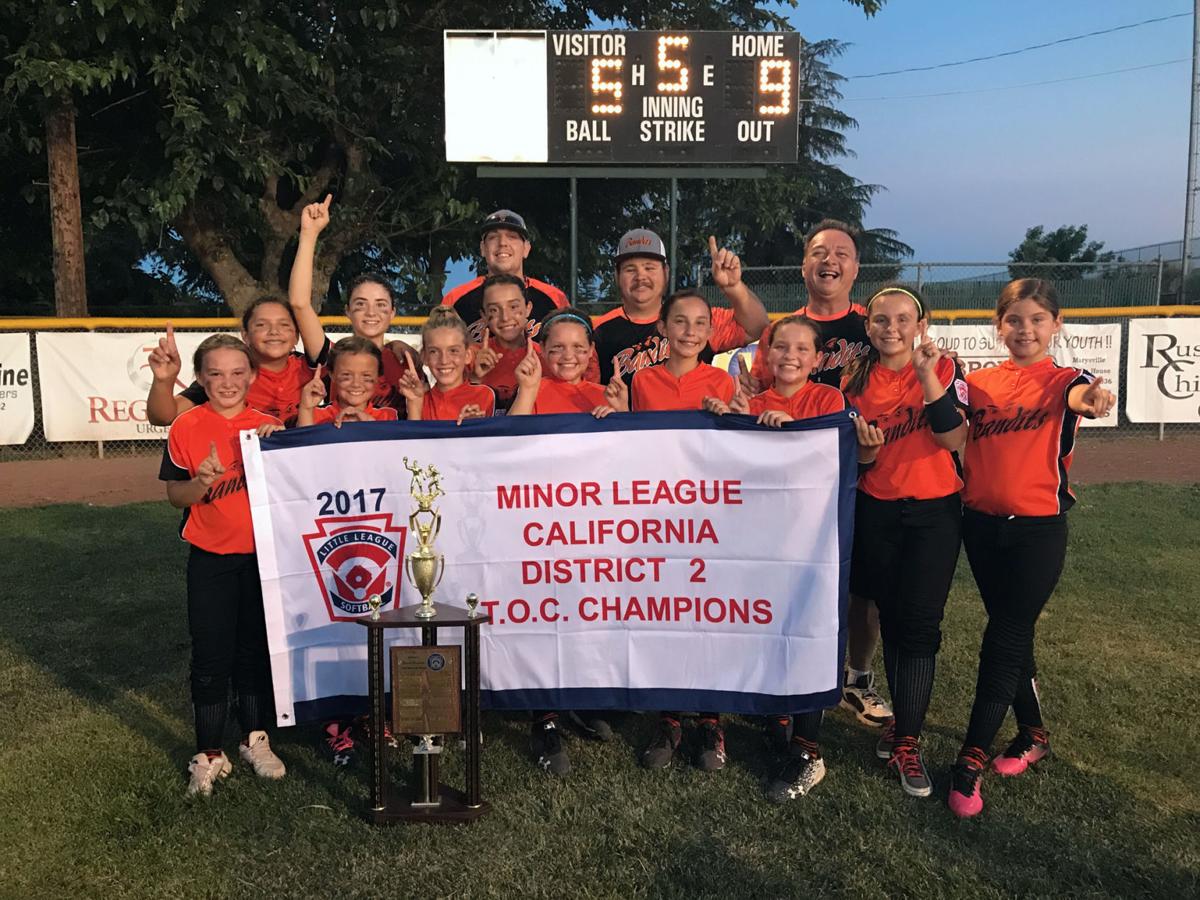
(16, 389)
(1162, 371)
(94, 386)
(644, 561)
(1096, 348)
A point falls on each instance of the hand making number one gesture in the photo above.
(486, 358)
(726, 267)
(314, 391)
(210, 468)
(315, 216)
(165, 363)
(1095, 401)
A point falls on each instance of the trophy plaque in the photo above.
(426, 690)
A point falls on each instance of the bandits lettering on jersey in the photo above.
(901, 424)
(649, 352)
(225, 487)
(839, 353)
(992, 420)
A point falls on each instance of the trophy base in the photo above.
(425, 611)
(450, 809)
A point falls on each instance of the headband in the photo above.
(899, 290)
(570, 317)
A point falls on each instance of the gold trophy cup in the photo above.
(425, 567)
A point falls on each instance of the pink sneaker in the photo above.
(965, 800)
(1029, 746)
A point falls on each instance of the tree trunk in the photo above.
(66, 214)
(207, 242)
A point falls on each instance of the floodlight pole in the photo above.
(1189, 204)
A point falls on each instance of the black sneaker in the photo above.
(710, 755)
(590, 725)
(339, 744)
(799, 775)
(909, 766)
(546, 743)
(663, 745)
(779, 733)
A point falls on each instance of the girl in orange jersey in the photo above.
(567, 348)
(202, 467)
(1024, 414)
(908, 512)
(681, 382)
(269, 327)
(793, 355)
(446, 351)
(355, 365)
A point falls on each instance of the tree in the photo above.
(1066, 244)
(207, 127)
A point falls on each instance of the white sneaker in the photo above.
(860, 698)
(204, 772)
(257, 752)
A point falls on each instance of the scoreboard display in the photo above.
(661, 97)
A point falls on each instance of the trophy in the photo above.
(373, 604)
(472, 603)
(425, 568)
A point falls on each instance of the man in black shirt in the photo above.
(627, 338)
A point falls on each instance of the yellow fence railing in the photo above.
(49, 323)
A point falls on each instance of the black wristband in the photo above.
(942, 414)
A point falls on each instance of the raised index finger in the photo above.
(712, 246)
(325, 203)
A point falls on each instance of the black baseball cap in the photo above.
(504, 218)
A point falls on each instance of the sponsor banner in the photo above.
(632, 563)
(94, 386)
(16, 388)
(1096, 348)
(1162, 370)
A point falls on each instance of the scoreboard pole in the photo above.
(636, 173)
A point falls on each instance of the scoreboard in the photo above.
(662, 97)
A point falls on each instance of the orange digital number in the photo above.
(775, 77)
(668, 64)
(600, 86)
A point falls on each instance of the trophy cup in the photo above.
(425, 567)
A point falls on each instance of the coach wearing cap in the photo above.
(627, 338)
(504, 245)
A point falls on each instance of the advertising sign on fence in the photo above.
(1096, 348)
(16, 389)
(94, 386)
(1162, 372)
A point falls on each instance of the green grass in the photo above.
(95, 729)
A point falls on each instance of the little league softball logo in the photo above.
(354, 557)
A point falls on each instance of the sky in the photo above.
(966, 175)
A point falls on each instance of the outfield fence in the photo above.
(77, 387)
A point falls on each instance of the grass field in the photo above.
(95, 729)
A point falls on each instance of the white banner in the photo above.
(646, 561)
(16, 388)
(1162, 371)
(1096, 348)
(94, 386)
